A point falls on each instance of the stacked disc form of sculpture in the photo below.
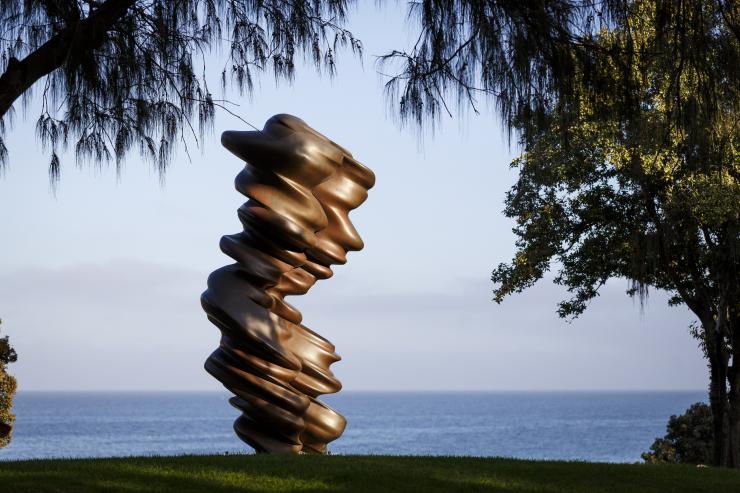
(301, 187)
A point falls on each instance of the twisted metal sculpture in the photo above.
(301, 187)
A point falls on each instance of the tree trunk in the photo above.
(86, 34)
(734, 415)
(718, 399)
(733, 330)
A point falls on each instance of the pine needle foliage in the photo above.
(531, 58)
(118, 75)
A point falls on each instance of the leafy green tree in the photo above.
(123, 74)
(7, 391)
(628, 115)
(604, 199)
(688, 440)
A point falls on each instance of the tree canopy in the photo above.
(130, 74)
(619, 181)
(531, 58)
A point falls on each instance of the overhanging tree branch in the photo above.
(87, 34)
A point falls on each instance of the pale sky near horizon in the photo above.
(100, 283)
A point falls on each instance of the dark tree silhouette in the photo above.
(688, 440)
(628, 113)
(120, 74)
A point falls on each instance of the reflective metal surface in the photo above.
(301, 188)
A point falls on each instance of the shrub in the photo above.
(7, 391)
(688, 440)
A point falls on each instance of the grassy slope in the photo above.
(217, 474)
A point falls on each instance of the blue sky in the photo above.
(99, 284)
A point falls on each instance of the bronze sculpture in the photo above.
(301, 187)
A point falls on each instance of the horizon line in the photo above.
(368, 391)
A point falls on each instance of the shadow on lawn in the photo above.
(142, 475)
(358, 474)
(126, 478)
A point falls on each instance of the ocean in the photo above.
(593, 426)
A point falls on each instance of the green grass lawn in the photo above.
(268, 473)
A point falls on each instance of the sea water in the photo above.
(593, 426)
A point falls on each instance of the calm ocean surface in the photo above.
(595, 426)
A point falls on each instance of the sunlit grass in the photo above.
(250, 473)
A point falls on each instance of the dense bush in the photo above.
(7, 391)
(688, 440)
